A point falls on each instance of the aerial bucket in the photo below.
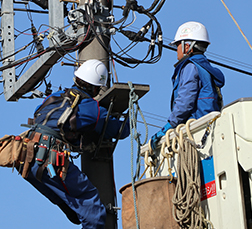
(154, 204)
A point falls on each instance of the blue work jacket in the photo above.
(194, 93)
(90, 118)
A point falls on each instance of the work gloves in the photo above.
(156, 137)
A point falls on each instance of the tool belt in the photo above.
(48, 150)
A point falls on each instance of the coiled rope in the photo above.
(187, 209)
(133, 99)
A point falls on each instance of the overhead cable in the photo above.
(236, 24)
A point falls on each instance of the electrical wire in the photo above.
(156, 34)
(214, 55)
(32, 50)
(246, 39)
(160, 116)
(123, 56)
(13, 54)
(149, 124)
(29, 15)
(130, 23)
(90, 19)
(30, 34)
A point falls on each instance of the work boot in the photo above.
(71, 215)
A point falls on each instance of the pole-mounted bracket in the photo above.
(116, 100)
(77, 17)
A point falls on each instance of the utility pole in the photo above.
(7, 30)
(100, 172)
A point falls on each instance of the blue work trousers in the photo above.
(79, 194)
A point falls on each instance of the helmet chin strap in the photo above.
(75, 82)
(183, 47)
(190, 48)
(90, 89)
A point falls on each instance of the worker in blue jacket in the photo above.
(73, 193)
(196, 84)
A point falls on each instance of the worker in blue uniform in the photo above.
(72, 192)
(196, 84)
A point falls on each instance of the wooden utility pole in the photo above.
(100, 172)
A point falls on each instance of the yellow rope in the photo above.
(236, 24)
(149, 164)
(144, 172)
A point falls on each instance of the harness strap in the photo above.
(28, 158)
(54, 109)
(68, 112)
(23, 154)
(50, 100)
(30, 153)
(220, 98)
(40, 170)
(72, 119)
(75, 96)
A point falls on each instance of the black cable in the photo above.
(152, 6)
(157, 35)
(31, 11)
(158, 7)
(29, 15)
(134, 37)
(126, 49)
(31, 50)
(217, 63)
(23, 48)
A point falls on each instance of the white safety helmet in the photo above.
(93, 72)
(191, 31)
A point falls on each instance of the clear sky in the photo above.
(21, 205)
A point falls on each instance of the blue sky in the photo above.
(22, 206)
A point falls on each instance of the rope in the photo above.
(236, 24)
(133, 98)
(133, 119)
(150, 164)
(166, 155)
(187, 209)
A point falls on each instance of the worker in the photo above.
(196, 84)
(63, 123)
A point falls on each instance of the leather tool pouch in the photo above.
(10, 149)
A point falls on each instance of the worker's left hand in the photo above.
(156, 137)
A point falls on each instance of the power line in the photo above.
(167, 46)
(217, 63)
(149, 124)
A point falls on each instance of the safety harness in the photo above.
(73, 97)
(50, 149)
